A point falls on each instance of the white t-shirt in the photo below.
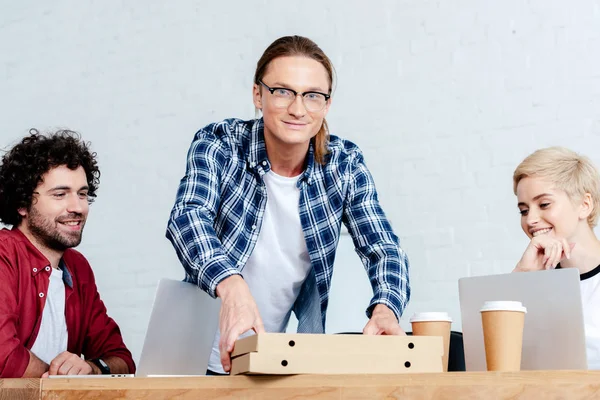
(590, 298)
(52, 337)
(279, 263)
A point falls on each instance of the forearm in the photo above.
(204, 260)
(384, 310)
(376, 244)
(390, 281)
(229, 286)
(35, 367)
(116, 365)
(390, 300)
(191, 226)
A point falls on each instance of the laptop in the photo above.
(181, 331)
(553, 337)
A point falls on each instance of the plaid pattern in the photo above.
(220, 204)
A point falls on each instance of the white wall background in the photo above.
(444, 97)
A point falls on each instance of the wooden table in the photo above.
(20, 389)
(457, 385)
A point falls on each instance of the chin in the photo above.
(298, 142)
(293, 138)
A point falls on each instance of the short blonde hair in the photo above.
(569, 171)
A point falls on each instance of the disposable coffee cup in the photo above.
(503, 323)
(434, 324)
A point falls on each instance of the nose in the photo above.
(297, 108)
(533, 217)
(76, 204)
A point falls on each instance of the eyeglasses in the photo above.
(283, 97)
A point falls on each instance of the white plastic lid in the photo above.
(430, 317)
(503, 306)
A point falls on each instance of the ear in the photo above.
(256, 97)
(22, 212)
(586, 207)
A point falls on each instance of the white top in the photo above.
(590, 298)
(279, 263)
(52, 337)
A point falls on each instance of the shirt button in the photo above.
(264, 163)
(41, 294)
(47, 268)
(253, 227)
(35, 270)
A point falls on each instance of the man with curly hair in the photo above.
(50, 310)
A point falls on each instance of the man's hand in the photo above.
(544, 252)
(383, 322)
(69, 364)
(239, 314)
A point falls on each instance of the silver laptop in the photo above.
(553, 337)
(181, 331)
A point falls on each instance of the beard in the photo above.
(48, 233)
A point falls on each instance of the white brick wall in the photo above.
(444, 97)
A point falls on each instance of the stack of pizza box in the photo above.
(283, 354)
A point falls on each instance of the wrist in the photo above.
(382, 309)
(95, 369)
(101, 366)
(524, 266)
(518, 268)
(229, 285)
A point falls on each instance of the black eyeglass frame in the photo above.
(272, 89)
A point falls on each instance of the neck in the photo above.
(286, 160)
(52, 255)
(585, 256)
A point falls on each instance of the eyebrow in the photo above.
(85, 187)
(310, 89)
(539, 196)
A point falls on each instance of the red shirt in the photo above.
(24, 279)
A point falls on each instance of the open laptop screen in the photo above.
(181, 331)
(553, 337)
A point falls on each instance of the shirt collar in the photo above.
(67, 277)
(256, 155)
(258, 161)
(38, 261)
(310, 164)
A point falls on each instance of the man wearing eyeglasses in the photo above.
(258, 213)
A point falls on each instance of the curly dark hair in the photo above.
(24, 165)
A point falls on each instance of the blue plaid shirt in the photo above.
(220, 204)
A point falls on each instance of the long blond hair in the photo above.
(300, 46)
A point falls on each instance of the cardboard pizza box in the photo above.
(281, 353)
(285, 343)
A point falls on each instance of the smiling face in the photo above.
(59, 209)
(546, 210)
(291, 126)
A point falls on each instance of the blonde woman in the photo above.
(558, 197)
